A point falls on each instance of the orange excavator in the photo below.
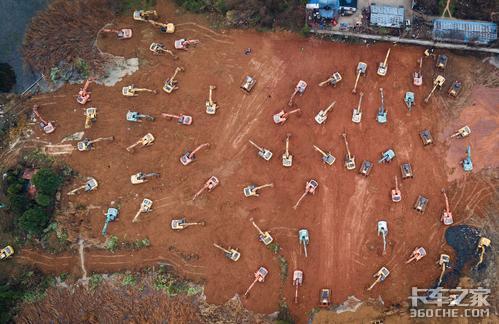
(84, 95)
(446, 213)
(47, 127)
(260, 275)
(124, 33)
(183, 44)
(282, 116)
(209, 185)
(310, 188)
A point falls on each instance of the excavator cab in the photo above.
(180, 224)
(229, 253)
(248, 84)
(90, 116)
(91, 184)
(442, 61)
(417, 254)
(85, 145)
(455, 88)
(462, 132)
(141, 177)
(365, 168)
(420, 204)
(135, 116)
(426, 137)
(467, 162)
(387, 156)
(406, 170)
(409, 100)
(6, 252)
(325, 297)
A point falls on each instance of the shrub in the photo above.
(112, 243)
(94, 281)
(129, 280)
(19, 204)
(34, 220)
(47, 181)
(43, 200)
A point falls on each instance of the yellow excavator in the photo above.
(438, 82)
(131, 91)
(167, 28)
(171, 84)
(90, 116)
(483, 243)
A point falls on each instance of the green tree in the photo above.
(34, 220)
(43, 200)
(47, 181)
(19, 203)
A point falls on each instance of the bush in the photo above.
(112, 243)
(94, 281)
(7, 77)
(129, 280)
(34, 220)
(19, 204)
(47, 181)
(43, 200)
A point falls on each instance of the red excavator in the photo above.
(282, 116)
(84, 95)
(446, 213)
(260, 275)
(189, 157)
(47, 127)
(124, 33)
(181, 119)
(209, 185)
(183, 44)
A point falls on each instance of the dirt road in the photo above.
(344, 250)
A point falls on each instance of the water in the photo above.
(15, 16)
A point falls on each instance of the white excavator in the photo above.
(252, 189)
(418, 76)
(123, 33)
(141, 177)
(262, 152)
(349, 158)
(299, 89)
(145, 140)
(211, 106)
(380, 276)
(383, 66)
(145, 207)
(446, 213)
(357, 112)
(160, 48)
(180, 224)
(327, 158)
(171, 84)
(417, 254)
(361, 69)
(131, 91)
(87, 144)
(321, 116)
(333, 80)
(297, 282)
(287, 159)
(90, 185)
(229, 253)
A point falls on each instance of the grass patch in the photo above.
(283, 266)
(274, 247)
(112, 243)
(94, 281)
(129, 280)
(284, 316)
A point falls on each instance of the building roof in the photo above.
(387, 16)
(462, 31)
(328, 9)
(348, 3)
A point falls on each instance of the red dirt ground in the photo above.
(344, 251)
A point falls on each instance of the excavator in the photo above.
(230, 253)
(416, 255)
(90, 185)
(357, 112)
(47, 126)
(248, 84)
(145, 15)
(90, 116)
(420, 204)
(183, 44)
(426, 137)
(381, 117)
(145, 207)
(263, 237)
(325, 297)
(365, 168)
(321, 117)
(6, 252)
(387, 156)
(145, 140)
(209, 185)
(444, 262)
(299, 89)
(189, 157)
(396, 194)
(406, 171)
(252, 189)
(304, 239)
(483, 243)
(442, 61)
(87, 144)
(160, 48)
(455, 88)
(111, 216)
(136, 117)
(181, 118)
(124, 33)
(142, 177)
(260, 275)
(180, 224)
(287, 159)
(282, 116)
(467, 163)
(380, 276)
(211, 106)
(409, 100)
(446, 213)
(262, 152)
(84, 95)
(327, 158)
(333, 80)
(349, 158)
(171, 84)
(438, 82)
(167, 28)
(297, 282)
(383, 66)
(462, 132)
(418, 76)
(131, 91)
(361, 69)
(310, 188)
(383, 231)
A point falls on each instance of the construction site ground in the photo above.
(344, 250)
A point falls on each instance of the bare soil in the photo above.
(341, 217)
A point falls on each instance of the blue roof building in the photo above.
(328, 9)
(387, 16)
(462, 31)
